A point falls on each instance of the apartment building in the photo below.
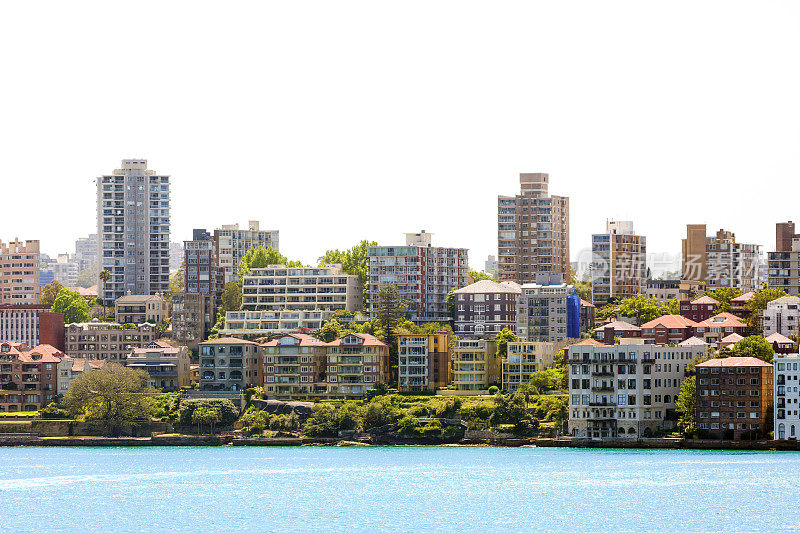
(86, 252)
(668, 289)
(476, 364)
(668, 329)
(783, 265)
(201, 266)
(625, 391)
(739, 304)
(167, 366)
(492, 267)
(699, 309)
(532, 231)
(97, 340)
(261, 323)
(232, 243)
(63, 269)
(782, 315)
(19, 272)
(486, 308)
(133, 228)
(422, 273)
(423, 361)
(31, 324)
(141, 308)
(786, 422)
(587, 316)
(191, 318)
(28, 376)
(619, 266)
(70, 369)
(548, 310)
(355, 363)
(294, 366)
(618, 328)
(525, 358)
(732, 264)
(718, 327)
(734, 395)
(228, 364)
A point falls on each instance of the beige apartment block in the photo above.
(229, 364)
(141, 308)
(532, 231)
(167, 366)
(294, 366)
(19, 272)
(476, 364)
(108, 341)
(355, 363)
(619, 265)
(524, 359)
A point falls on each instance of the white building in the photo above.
(787, 396)
(270, 322)
(71, 368)
(619, 262)
(542, 310)
(133, 221)
(782, 315)
(626, 390)
(732, 264)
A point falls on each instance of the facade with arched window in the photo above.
(787, 396)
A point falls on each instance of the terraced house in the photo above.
(476, 364)
(228, 364)
(356, 362)
(28, 376)
(423, 361)
(294, 366)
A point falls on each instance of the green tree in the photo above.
(479, 276)
(503, 338)
(74, 306)
(353, 260)
(583, 287)
(206, 415)
(228, 412)
(549, 379)
(642, 308)
(261, 257)
(231, 299)
(391, 313)
(114, 396)
(758, 303)
(87, 277)
(686, 404)
(177, 281)
(49, 293)
(724, 295)
(754, 346)
(330, 331)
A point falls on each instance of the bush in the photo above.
(379, 412)
(493, 390)
(54, 412)
(227, 410)
(327, 421)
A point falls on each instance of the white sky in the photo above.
(337, 121)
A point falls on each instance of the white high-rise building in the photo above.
(133, 230)
(619, 267)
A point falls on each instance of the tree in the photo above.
(754, 346)
(644, 309)
(87, 277)
(353, 261)
(724, 295)
(330, 331)
(74, 306)
(479, 276)
(391, 312)
(228, 412)
(758, 303)
(104, 276)
(114, 395)
(231, 299)
(261, 257)
(177, 281)
(686, 406)
(206, 415)
(548, 379)
(583, 287)
(503, 338)
(49, 293)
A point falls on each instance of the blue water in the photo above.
(396, 489)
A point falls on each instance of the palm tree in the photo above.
(105, 275)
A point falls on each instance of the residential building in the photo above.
(662, 290)
(69, 369)
(168, 366)
(732, 264)
(782, 315)
(97, 340)
(486, 308)
(355, 363)
(492, 267)
(294, 366)
(233, 242)
(532, 231)
(739, 304)
(279, 299)
(617, 329)
(699, 309)
(28, 376)
(19, 272)
(86, 252)
(133, 228)
(525, 358)
(422, 273)
(693, 252)
(729, 341)
(714, 329)
(619, 265)
(191, 318)
(141, 308)
(781, 343)
(31, 324)
(783, 265)
(668, 329)
(786, 396)
(734, 395)
(785, 236)
(476, 364)
(65, 269)
(201, 266)
(228, 364)
(587, 319)
(423, 361)
(625, 391)
(548, 310)
(175, 256)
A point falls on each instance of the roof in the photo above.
(228, 340)
(780, 339)
(138, 298)
(733, 338)
(584, 303)
(79, 365)
(166, 350)
(671, 322)
(785, 300)
(305, 340)
(369, 340)
(722, 320)
(44, 353)
(734, 361)
(487, 286)
(86, 293)
(705, 300)
(619, 325)
(693, 341)
(588, 342)
(746, 297)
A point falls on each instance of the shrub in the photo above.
(493, 390)
(53, 412)
(379, 412)
(327, 421)
(228, 411)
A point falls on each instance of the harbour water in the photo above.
(396, 489)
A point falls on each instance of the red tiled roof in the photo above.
(304, 338)
(44, 353)
(780, 339)
(705, 300)
(746, 297)
(584, 303)
(369, 340)
(619, 325)
(228, 340)
(722, 320)
(671, 322)
(735, 361)
(588, 342)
